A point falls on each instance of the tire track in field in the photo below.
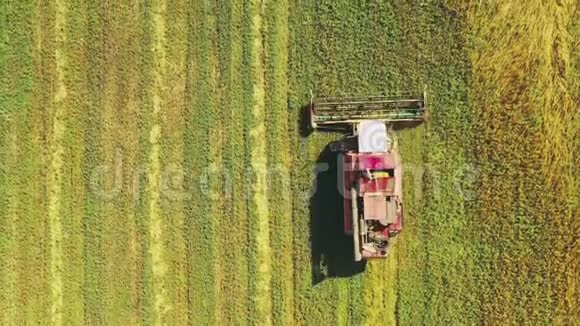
(373, 293)
(389, 272)
(259, 165)
(159, 267)
(54, 174)
(380, 295)
(342, 304)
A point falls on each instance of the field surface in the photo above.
(155, 168)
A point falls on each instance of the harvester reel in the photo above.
(343, 113)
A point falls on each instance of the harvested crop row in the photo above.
(173, 192)
(373, 296)
(220, 175)
(156, 222)
(213, 174)
(260, 259)
(117, 282)
(106, 172)
(103, 262)
(278, 178)
(233, 264)
(153, 168)
(92, 250)
(54, 178)
(390, 280)
(129, 167)
(21, 255)
(113, 261)
(201, 116)
(143, 306)
(71, 109)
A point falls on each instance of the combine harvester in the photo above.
(370, 174)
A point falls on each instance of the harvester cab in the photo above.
(369, 169)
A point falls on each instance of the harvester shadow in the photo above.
(304, 123)
(406, 125)
(332, 250)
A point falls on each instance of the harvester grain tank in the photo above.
(370, 172)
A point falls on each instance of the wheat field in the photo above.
(155, 168)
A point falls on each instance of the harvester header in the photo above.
(330, 112)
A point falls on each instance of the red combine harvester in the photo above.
(369, 170)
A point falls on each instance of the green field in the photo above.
(154, 167)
